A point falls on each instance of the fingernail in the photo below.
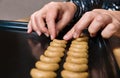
(28, 31)
(46, 34)
(65, 37)
(51, 37)
(39, 33)
(92, 35)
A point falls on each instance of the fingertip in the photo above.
(106, 36)
(29, 30)
(38, 32)
(65, 37)
(52, 36)
(46, 34)
(92, 35)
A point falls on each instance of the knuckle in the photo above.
(89, 14)
(52, 3)
(99, 18)
(33, 15)
(112, 27)
(48, 19)
(37, 15)
(96, 10)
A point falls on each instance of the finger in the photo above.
(41, 24)
(69, 34)
(50, 20)
(100, 21)
(29, 27)
(109, 30)
(83, 23)
(34, 25)
(65, 19)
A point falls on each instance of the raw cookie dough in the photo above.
(46, 59)
(36, 73)
(53, 53)
(46, 66)
(54, 44)
(75, 67)
(60, 41)
(82, 38)
(78, 49)
(79, 46)
(77, 54)
(70, 74)
(57, 49)
(77, 60)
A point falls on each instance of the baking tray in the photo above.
(20, 51)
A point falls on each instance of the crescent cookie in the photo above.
(77, 60)
(53, 54)
(57, 49)
(47, 66)
(36, 73)
(70, 74)
(50, 59)
(60, 41)
(54, 44)
(75, 67)
(77, 54)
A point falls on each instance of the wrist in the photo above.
(79, 10)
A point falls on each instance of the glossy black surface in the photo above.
(19, 51)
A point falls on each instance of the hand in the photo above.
(55, 14)
(98, 19)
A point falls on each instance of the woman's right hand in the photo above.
(52, 18)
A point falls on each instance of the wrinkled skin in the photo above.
(58, 14)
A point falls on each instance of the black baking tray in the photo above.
(19, 51)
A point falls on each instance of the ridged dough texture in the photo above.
(49, 61)
(76, 63)
(70, 74)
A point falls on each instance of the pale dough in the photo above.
(77, 54)
(36, 73)
(54, 44)
(46, 66)
(60, 41)
(77, 60)
(70, 74)
(75, 67)
(53, 54)
(57, 49)
(82, 38)
(46, 59)
(79, 46)
(78, 49)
